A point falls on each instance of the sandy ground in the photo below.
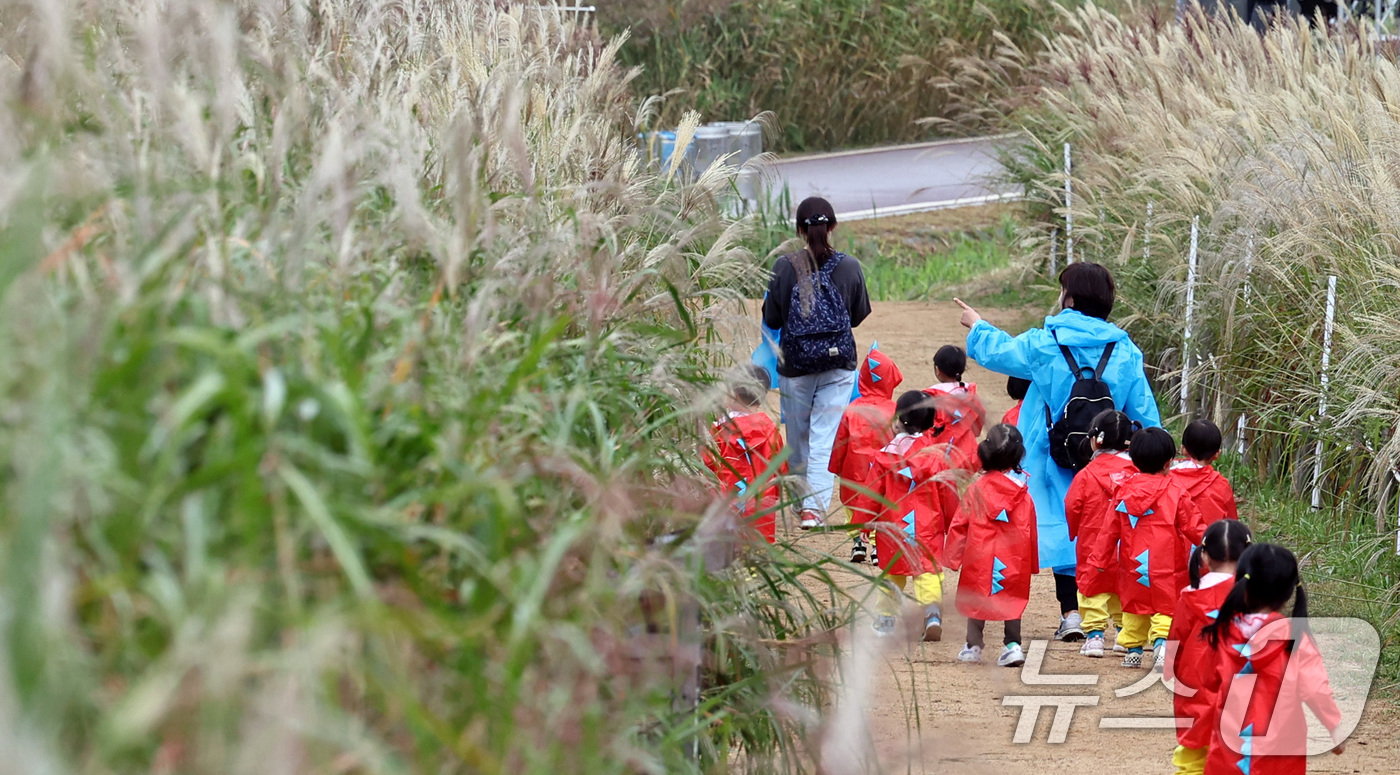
(929, 713)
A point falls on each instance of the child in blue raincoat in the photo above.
(1086, 297)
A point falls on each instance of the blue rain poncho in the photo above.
(1035, 356)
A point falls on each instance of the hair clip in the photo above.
(1246, 577)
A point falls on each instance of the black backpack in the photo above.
(819, 338)
(1089, 396)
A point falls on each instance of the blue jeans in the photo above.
(812, 409)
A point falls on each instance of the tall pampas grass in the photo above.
(349, 353)
(1285, 145)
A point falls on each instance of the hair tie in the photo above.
(1246, 577)
(815, 219)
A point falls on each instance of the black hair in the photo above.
(1091, 287)
(1003, 448)
(1201, 440)
(951, 360)
(1017, 387)
(815, 219)
(750, 384)
(914, 409)
(1113, 429)
(1267, 575)
(1151, 450)
(1225, 540)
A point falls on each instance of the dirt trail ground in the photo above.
(962, 725)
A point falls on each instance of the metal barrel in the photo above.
(711, 142)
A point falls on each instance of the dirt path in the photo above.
(929, 713)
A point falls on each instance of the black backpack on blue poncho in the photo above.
(1088, 397)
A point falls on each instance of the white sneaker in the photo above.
(1120, 649)
(1093, 646)
(1132, 659)
(1011, 656)
(810, 519)
(883, 625)
(1071, 628)
(971, 654)
(1160, 663)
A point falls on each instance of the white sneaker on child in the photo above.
(1071, 628)
(1093, 646)
(1132, 659)
(1159, 664)
(1120, 649)
(883, 625)
(810, 519)
(1011, 656)
(970, 653)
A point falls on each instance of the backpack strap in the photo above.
(1103, 361)
(1074, 367)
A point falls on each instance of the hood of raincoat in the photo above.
(1195, 479)
(879, 376)
(1075, 329)
(1006, 487)
(1205, 602)
(1140, 492)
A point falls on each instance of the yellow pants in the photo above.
(1141, 630)
(1097, 610)
(928, 591)
(1189, 761)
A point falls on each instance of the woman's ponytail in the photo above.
(1194, 567)
(815, 219)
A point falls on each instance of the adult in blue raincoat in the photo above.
(1086, 299)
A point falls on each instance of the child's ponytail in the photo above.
(1267, 576)
(1194, 567)
(1233, 605)
(1300, 617)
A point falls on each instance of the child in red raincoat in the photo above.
(746, 441)
(916, 484)
(1267, 667)
(1015, 388)
(1189, 657)
(1087, 513)
(993, 542)
(1209, 489)
(1156, 526)
(960, 412)
(863, 432)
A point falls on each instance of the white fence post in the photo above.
(1190, 304)
(1327, 323)
(1054, 236)
(1248, 267)
(1147, 233)
(1069, 213)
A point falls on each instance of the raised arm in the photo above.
(1001, 352)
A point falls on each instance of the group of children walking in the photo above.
(1160, 551)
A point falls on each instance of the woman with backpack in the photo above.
(815, 296)
(1107, 374)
